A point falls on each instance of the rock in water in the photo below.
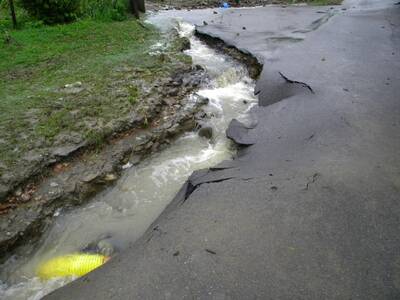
(206, 132)
(105, 248)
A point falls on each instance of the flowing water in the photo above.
(121, 214)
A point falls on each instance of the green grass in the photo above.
(37, 62)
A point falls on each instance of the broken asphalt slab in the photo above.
(311, 210)
(238, 133)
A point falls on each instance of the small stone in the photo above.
(110, 177)
(105, 248)
(90, 176)
(173, 92)
(198, 68)
(18, 192)
(25, 197)
(54, 184)
(135, 160)
(169, 101)
(73, 85)
(203, 100)
(73, 88)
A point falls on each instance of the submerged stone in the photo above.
(206, 132)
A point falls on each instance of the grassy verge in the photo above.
(67, 79)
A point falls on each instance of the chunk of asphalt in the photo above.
(239, 133)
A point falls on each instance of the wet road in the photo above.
(311, 209)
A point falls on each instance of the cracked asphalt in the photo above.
(310, 208)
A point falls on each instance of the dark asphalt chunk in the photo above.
(238, 133)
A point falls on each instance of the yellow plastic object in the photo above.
(77, 264)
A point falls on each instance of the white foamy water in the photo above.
(123, 213)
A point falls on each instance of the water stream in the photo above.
(122, 213)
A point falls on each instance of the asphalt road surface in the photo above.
(310, 208)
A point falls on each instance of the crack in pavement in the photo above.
(297, 82)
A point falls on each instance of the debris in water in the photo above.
(77, 264)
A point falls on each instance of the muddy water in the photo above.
(121, 214)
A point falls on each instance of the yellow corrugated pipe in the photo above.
(77, 264)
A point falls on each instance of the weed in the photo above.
(133, 94)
